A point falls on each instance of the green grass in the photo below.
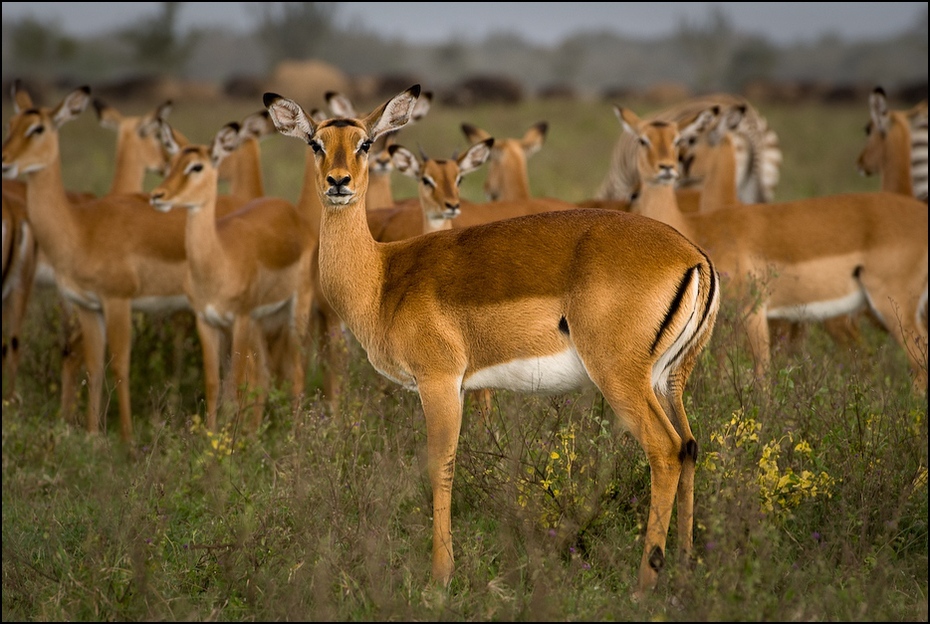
(811, 499)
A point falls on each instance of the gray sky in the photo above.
(542, 23)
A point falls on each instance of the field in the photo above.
(811, 499)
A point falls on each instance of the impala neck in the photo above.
(514, 179)
(129, 173)
(896, 157)
(309, 201)
(658, 201)
(719, 187)
(380, 194)
(245, 170)
(206, 256)
(50, 211)
(351, 267)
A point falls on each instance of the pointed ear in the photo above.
(878, 109)
(340, 105)
(534, 138)
(224, 143)
(288, 117)
(393, 114)
(628, 120)
(71, 106)
(21, 98)
(167, 137)
(404, 161)
(476, 156)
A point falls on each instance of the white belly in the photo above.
(820, 310)
(560, 372)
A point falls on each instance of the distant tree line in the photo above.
(709, 55)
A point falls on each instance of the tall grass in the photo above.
(811, 498)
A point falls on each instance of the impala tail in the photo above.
(688, 325)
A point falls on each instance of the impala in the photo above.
(541, 303)
(896, 146)
(138, 150)
(810, 259)
(439, 181)
(508, 177)
(20, 258)
(242, 168)
(248, 272)
(110, 255)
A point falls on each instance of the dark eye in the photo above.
(365, 146)
(428, 182)
(643, 142)
(868, 129)
(37, 130)
(316, 146)
(197, 168)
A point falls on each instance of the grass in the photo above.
(811, 499)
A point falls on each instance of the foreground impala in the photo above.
(809, 259)
(543, 303)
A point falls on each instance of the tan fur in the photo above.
(107, 253)
(896, 147)
(433, 312)
(240, 265)
(789, 254)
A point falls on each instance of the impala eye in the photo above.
(428, 181)
(365, 146)
(195, 168)
(316, 146)
(38, 129)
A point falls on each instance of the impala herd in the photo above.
(529, 294)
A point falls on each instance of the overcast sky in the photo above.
(542, 23)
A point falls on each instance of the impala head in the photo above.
(660, 142)
(696, 148)
(889, 130)
(31, 143)
(440, 181)
(193, 174)
(507, 171)
(341, 146)
(138, 133)
(380, 163)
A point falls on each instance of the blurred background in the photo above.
(470, 53)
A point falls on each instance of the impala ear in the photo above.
(476, 156)
(288, 117)
(224, 143)
(71, 106)
(393, 114)
(404, 160)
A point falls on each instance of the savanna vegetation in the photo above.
(811, 498)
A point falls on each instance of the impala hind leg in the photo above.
(905, 321)
(641, 412)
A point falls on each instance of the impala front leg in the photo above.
(442, 407)
(118, 315)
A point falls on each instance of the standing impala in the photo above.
(896, 146)
(809, 259)
(249, 272)
(543, 303)
(110, 255)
